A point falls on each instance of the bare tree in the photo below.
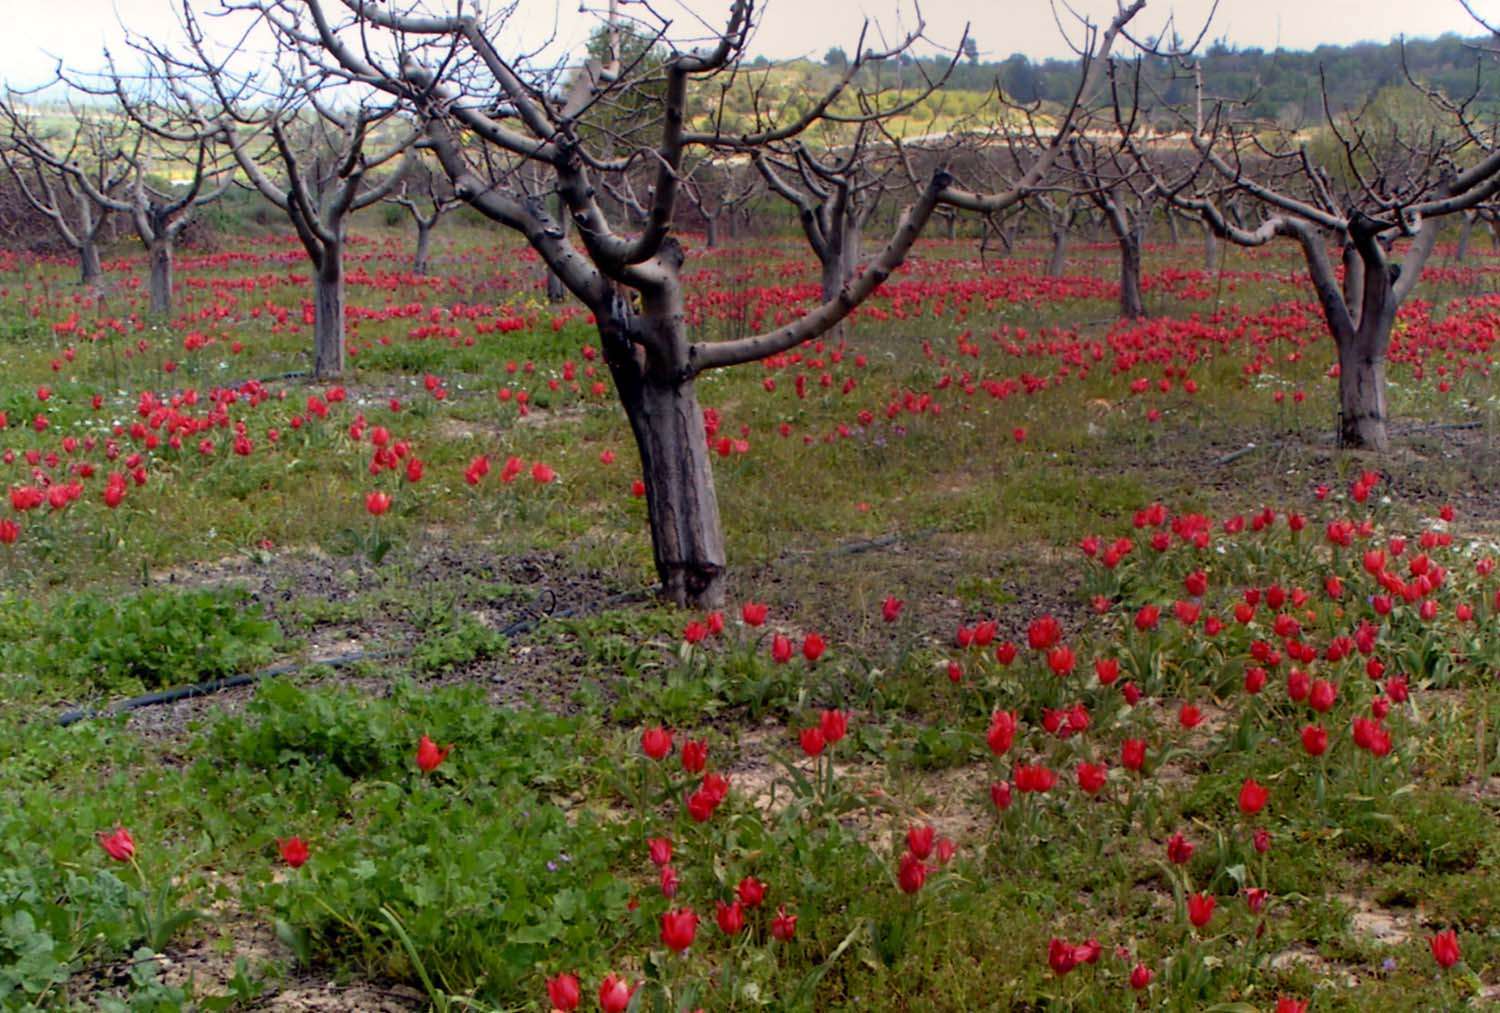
(427, 196)
(308, 143)
(71, 176)
(486, 117)
(834, 196)
(1372, 186)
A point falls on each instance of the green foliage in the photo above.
(120, 643)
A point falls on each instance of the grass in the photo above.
(522, 854)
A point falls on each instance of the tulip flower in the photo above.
(1445, 949)
(678, 928)
(294, 851)
(1140, 977)
(751, 892)
(783, 926)
(1200, 908)
(563, 992)
(1091, 777)
(429, 756)
(117, 843)
(1133, 754)
(753, 613)
(656, 742)
(660, 849)
(1179, 849)
(812, 647)
(694, 756)
(911, 874)
(615, 994)
(919, 840)
(1315, 740)
(834, 724)
(890, 609)
(1253, 796)
(781, 649)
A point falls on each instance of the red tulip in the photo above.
(1179, 849)
(783, 926)
(1000, 795)
(911, 874)
(294, 851)
(1140, 977)
(731, 917)
(1255, 899)
(1060, 957)
(615, 994)
(919, 840)
(694, 756)
(753, 613)
(1043, 633)
(1315, 740)
(812, 647)
(1321, 696)
(1133, 754)
(429, 756)
(751, 891)
(377, 503)
(1091, 777)
(812, 741)
(678, 928)
(890, 609)
(1107, 669)
(1287, 1005)
(563, 993)
(1445, 949)
(1200, 908)
(660, 849)
(1252, 796)
(656, 742)
(1189, 716)
(117, 843)
(781, 649)
(834, 724)
(1002, 732)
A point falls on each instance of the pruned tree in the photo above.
(72, 176)
(427, 196)
(718, 189)
(834, 193)
(1366, 190)
(308, 143)
(486, 116)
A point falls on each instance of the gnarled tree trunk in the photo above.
(160, 254)
(1059, 260)
(686, 536)
(328, 315)
(90, 269)
(424, 246)
(1131, 305)
(1362, 410)
(711, 230)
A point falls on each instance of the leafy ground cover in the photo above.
(1069, 666)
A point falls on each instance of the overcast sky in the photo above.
(77, 30)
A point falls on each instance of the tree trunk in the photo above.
(424, 247)
(161, 277)
(1131, 305)
(557, 292)
(1463, 237)
(1210, 249)
(1362, 410)
(1059, 261)
(833, 276)
(711, 231)
(1172, 234)
(90, 270)
(687, 540)
(328, 318)
(952, 226)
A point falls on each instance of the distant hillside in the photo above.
(1281, 85)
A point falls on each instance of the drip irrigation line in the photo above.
(520, 626)
(178, 693)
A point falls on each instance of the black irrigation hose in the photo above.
(198, 689)
(526, 625)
